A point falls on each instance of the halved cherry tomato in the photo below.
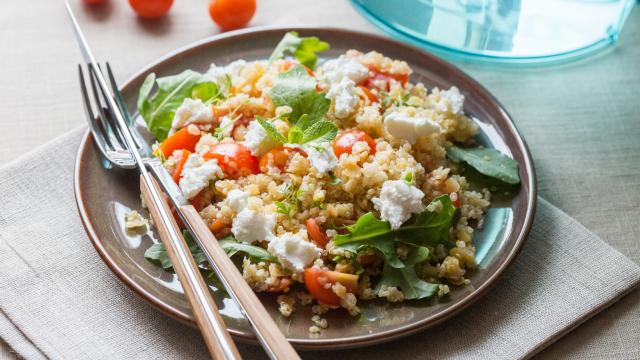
(345, 141)
(234, 159)
(282, 285)
(232, 14)
(315, 280)
(151, 9)
(371, 96)
(177, 172)
(278, 157)
(184, 139)
(316, 233)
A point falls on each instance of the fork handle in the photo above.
(211, 325)
(265, 328)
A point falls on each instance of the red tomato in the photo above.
(201, 200)
(181, 139)
(232, 14)
(177, 172)
(234, 159)
(345, 141)
(376, 76)
(217, 226)
(315, 280)
(151, 9)
(316, 233)
(371, 96)
(278, 157)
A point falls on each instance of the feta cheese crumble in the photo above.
(293, 252)
(322, 160)
(250, 226)
(397, 201)
(333, 71)
(344, 97)
(134, 223)
(218, 74)
(197, 173)
(450, 101)
(237, 200)
(192, 111)
(226, 125)
(403, 126)
(257, 139)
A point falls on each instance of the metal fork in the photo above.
(119, 142)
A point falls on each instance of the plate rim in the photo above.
(320, 343)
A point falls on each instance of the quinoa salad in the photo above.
(330, 182)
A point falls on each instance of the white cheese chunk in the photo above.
(344, 97)
(237, 200)
(257, 139)
(226, 125)
(293, 251)
(323, 160)
(403, 126)
(333, 71)
(219, 74)
(197, 173)
(397, 201)
(192, 111)
(450, 101)
(250, 226)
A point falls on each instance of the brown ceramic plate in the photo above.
(104, 196)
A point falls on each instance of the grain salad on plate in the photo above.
(330, 182)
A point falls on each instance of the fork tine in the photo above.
(112, 130)
(97, 130)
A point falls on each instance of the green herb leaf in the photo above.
(303, 49)
(296, 89)
(489, 162)
(232, 247)
(157, 253)
(408, 177)
(335, 181)
(406, 279)
(271, 130)
(426, 228)
(320, 132)
(158, 110)
(295, 135)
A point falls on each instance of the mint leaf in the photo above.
(303, 49)
(232, 247)
(319, 132)
(271, 130)
(159, 109)
(296, 89)
(295, 135)
(489, 162)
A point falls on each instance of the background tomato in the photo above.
(151, 9)
(232, 14)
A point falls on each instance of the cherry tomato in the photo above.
(201, 200)
(376, 76)
(234, 159)
(278, 157)
(151, 9)
(316, 233)
(185, 138)
(371, 96)
(315, 280)
(232, 14)
(177, 172)
(217, 226)
(345, 141)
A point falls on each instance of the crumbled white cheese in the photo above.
(192, 111)
(397, 201)
(403, 126)
(450, 101)
(257, 139)
(250, 226)
(218, 74)
(237, 200)
(322, 160)
(135, 223)
(333, 71)
(197, 173)
(226, 124)
(344, 97)
(293, 252)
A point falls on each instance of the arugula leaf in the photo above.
(406, 278)
(271, 130)
(304, 49)
(297, 89)
(158, 255)
(159, 109)
(426, 228)
(232, 247)
(487, 161)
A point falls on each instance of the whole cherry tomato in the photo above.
(345, 141)
(235, 159)
(151, 9)
(232, 14)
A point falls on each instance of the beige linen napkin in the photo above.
(58, 299)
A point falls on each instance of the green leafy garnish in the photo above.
(158, 110)
(406, 279)
(271, 130)
(335, 181)
(304, 49)
(408, 178)
(295, 135)
(427, 228)
(256, 253)
(489, 162)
